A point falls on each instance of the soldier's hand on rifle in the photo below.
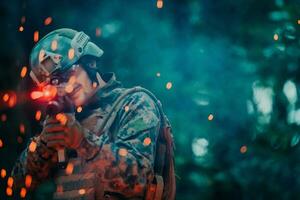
(62, 130)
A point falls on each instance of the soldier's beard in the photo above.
(80, 96)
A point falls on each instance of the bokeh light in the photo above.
(199, 146)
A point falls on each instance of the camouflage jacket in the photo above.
(102, 167)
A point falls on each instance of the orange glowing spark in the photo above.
(79, 109)
(3, 117)
(169, 85)
(243, 149)
(3, 173)
(46, 93)
(147, 141)
(69, 168)
(62, 118)
(23, 192)
(41, 55)
(5, 97)
(95, 84)
(123, 152)
(32, 146)
(1, 143)
(35, 36)
(12, 100)
(298, 21)
(210, 117)
(71, 53)
(276, 37)
(9, 191)
(36, 94)
(54, 45)
(21, 28)
(38, 115)
(23, 71)
(22, 128)
(98, 32)
(126, 108)
(49, 92)
(81, 191)
(48, 21)
(159, 3)
(28, 181)
(58, 116)
(10, 182)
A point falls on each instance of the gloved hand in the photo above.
(62, 130)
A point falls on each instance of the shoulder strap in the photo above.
(165, 146)
(107, 122)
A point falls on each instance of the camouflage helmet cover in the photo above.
(58, 51)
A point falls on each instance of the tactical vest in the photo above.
(83, 183)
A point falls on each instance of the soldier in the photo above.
(109, 149)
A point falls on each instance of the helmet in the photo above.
(58, 51)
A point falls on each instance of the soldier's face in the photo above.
(81, 86)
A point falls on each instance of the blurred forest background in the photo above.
(227, 73)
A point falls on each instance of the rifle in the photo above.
(57, 102)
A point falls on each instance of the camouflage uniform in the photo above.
(104, 167)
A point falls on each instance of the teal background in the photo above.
(222, 60)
